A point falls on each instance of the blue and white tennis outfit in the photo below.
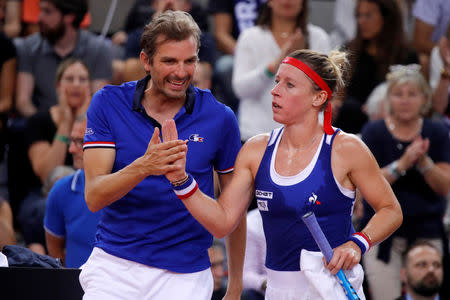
(283, 200)
(150, 225)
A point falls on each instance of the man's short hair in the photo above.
(77, 7)
(417, 244)
(173, 25)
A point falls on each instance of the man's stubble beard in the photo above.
(423, 289)
(52, 35)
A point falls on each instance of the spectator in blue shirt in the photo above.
(69, 225)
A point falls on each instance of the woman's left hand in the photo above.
(424, 149)
(413, 153)
(345, 257)
(169, 133)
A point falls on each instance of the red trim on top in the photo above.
(95, 143)
(322, 84)
(226, 170)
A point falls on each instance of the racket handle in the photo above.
(324, 246)
(318, 235)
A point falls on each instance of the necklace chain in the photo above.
(282, 34)
(307, 146)
(392, 126)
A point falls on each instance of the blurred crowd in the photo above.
(397, 101)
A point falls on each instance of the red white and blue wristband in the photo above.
(362, 240)
(186, 189)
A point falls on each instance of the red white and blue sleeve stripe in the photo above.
(87, 145)
(225, 171)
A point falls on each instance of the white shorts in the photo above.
(286, 285)
(105, 276)
(313, 282)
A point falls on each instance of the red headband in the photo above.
(319, 81)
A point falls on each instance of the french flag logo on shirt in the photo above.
(313, 199)
(195, 138)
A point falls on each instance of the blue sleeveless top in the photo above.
(283, 200)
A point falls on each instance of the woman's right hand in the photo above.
(294, 42)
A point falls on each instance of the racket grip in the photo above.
(318, 235)
(311, 222)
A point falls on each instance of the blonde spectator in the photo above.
(73, 89)
(414, 153)
(48, 139)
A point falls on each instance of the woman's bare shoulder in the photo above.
(253, 149)
(350, 147)
(347, 141)
(259, 140)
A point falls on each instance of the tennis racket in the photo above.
(318, 235)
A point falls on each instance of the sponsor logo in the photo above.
(262, 205)
(195, 138)
(263, 194)
(89, 131)
(313, 199)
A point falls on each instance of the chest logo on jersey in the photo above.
(262, 205)
(313, 199)
(263, 194)
(89, 131)
(195, 138)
